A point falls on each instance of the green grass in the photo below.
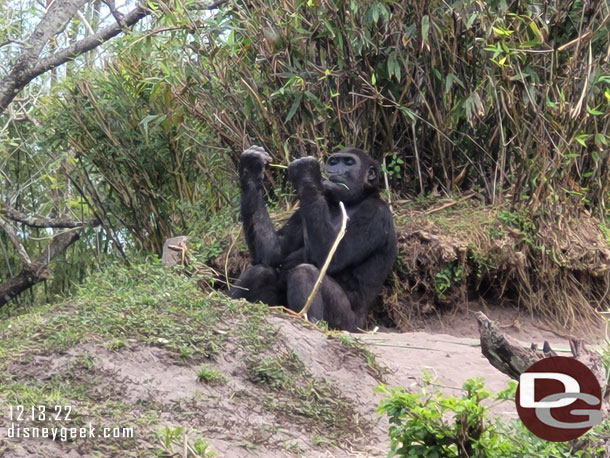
(144, 303)
(211, 376)
(377, 370)
(54, 354)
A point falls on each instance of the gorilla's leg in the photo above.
(330, 304)
(259, 283)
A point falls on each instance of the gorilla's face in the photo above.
(351, 175)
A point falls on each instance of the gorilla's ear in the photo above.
(371, 175)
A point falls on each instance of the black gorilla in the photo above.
(286, 263)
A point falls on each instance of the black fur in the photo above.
(286, 263)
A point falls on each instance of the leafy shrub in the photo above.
(428, 424)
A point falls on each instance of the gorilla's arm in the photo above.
(369, 226)
(266, 246)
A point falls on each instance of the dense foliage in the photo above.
(506, 98)
(497, 96)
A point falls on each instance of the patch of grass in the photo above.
(143, 303)
(116, 344)
(378, 370)
(321, 441)
(211, 376)
(293, 447)
(298, 395)
(277, 372)
(175, 440)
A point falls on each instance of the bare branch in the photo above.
(4, 225)
(36, 271)
(54, 19)
(88, 43)
(329, 258)
(29, 65)
(208, 5)
(36, 221)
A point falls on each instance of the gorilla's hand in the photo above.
(253, 160)
(304, 170)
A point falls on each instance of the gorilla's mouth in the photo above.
(337, 180)
(334, 187)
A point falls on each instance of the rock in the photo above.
(174, 251)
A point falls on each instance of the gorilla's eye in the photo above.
(333, 161)
(349, 161)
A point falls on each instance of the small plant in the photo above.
(521, 226)
(605, 230)
(185, 353)
(392, 166)
(369, 357)
(321, 441)
(277, 372)
(172, 439)
(211, 376)
(116, 344)
(428, 424)
(449, 275)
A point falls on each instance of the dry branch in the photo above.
(36, 271)
(511, 358)
(504, 353)
(29, 65)
(36, 221)
(8, 229)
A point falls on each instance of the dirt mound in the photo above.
(255, 410)
(461, 250)
(142, 352)
(313, 396)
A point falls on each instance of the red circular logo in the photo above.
(559, 399)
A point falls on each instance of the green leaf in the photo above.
(593, 111)
(501, 31)
(425, 27)
(601, 140)
(295, 105)
(394, 66)
(375, 13)
(473, 17)
(581, 139)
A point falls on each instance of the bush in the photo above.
(428, 424)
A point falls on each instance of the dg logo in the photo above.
(559, 399)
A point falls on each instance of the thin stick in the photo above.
(227, 259)
(329, 258)
(421, 182)
(279, 166)
(387, 184)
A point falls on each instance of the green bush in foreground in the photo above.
(428, 424)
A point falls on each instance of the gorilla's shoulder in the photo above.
(375, 203)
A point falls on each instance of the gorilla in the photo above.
(285, 263)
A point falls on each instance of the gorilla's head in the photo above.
(352, 176)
